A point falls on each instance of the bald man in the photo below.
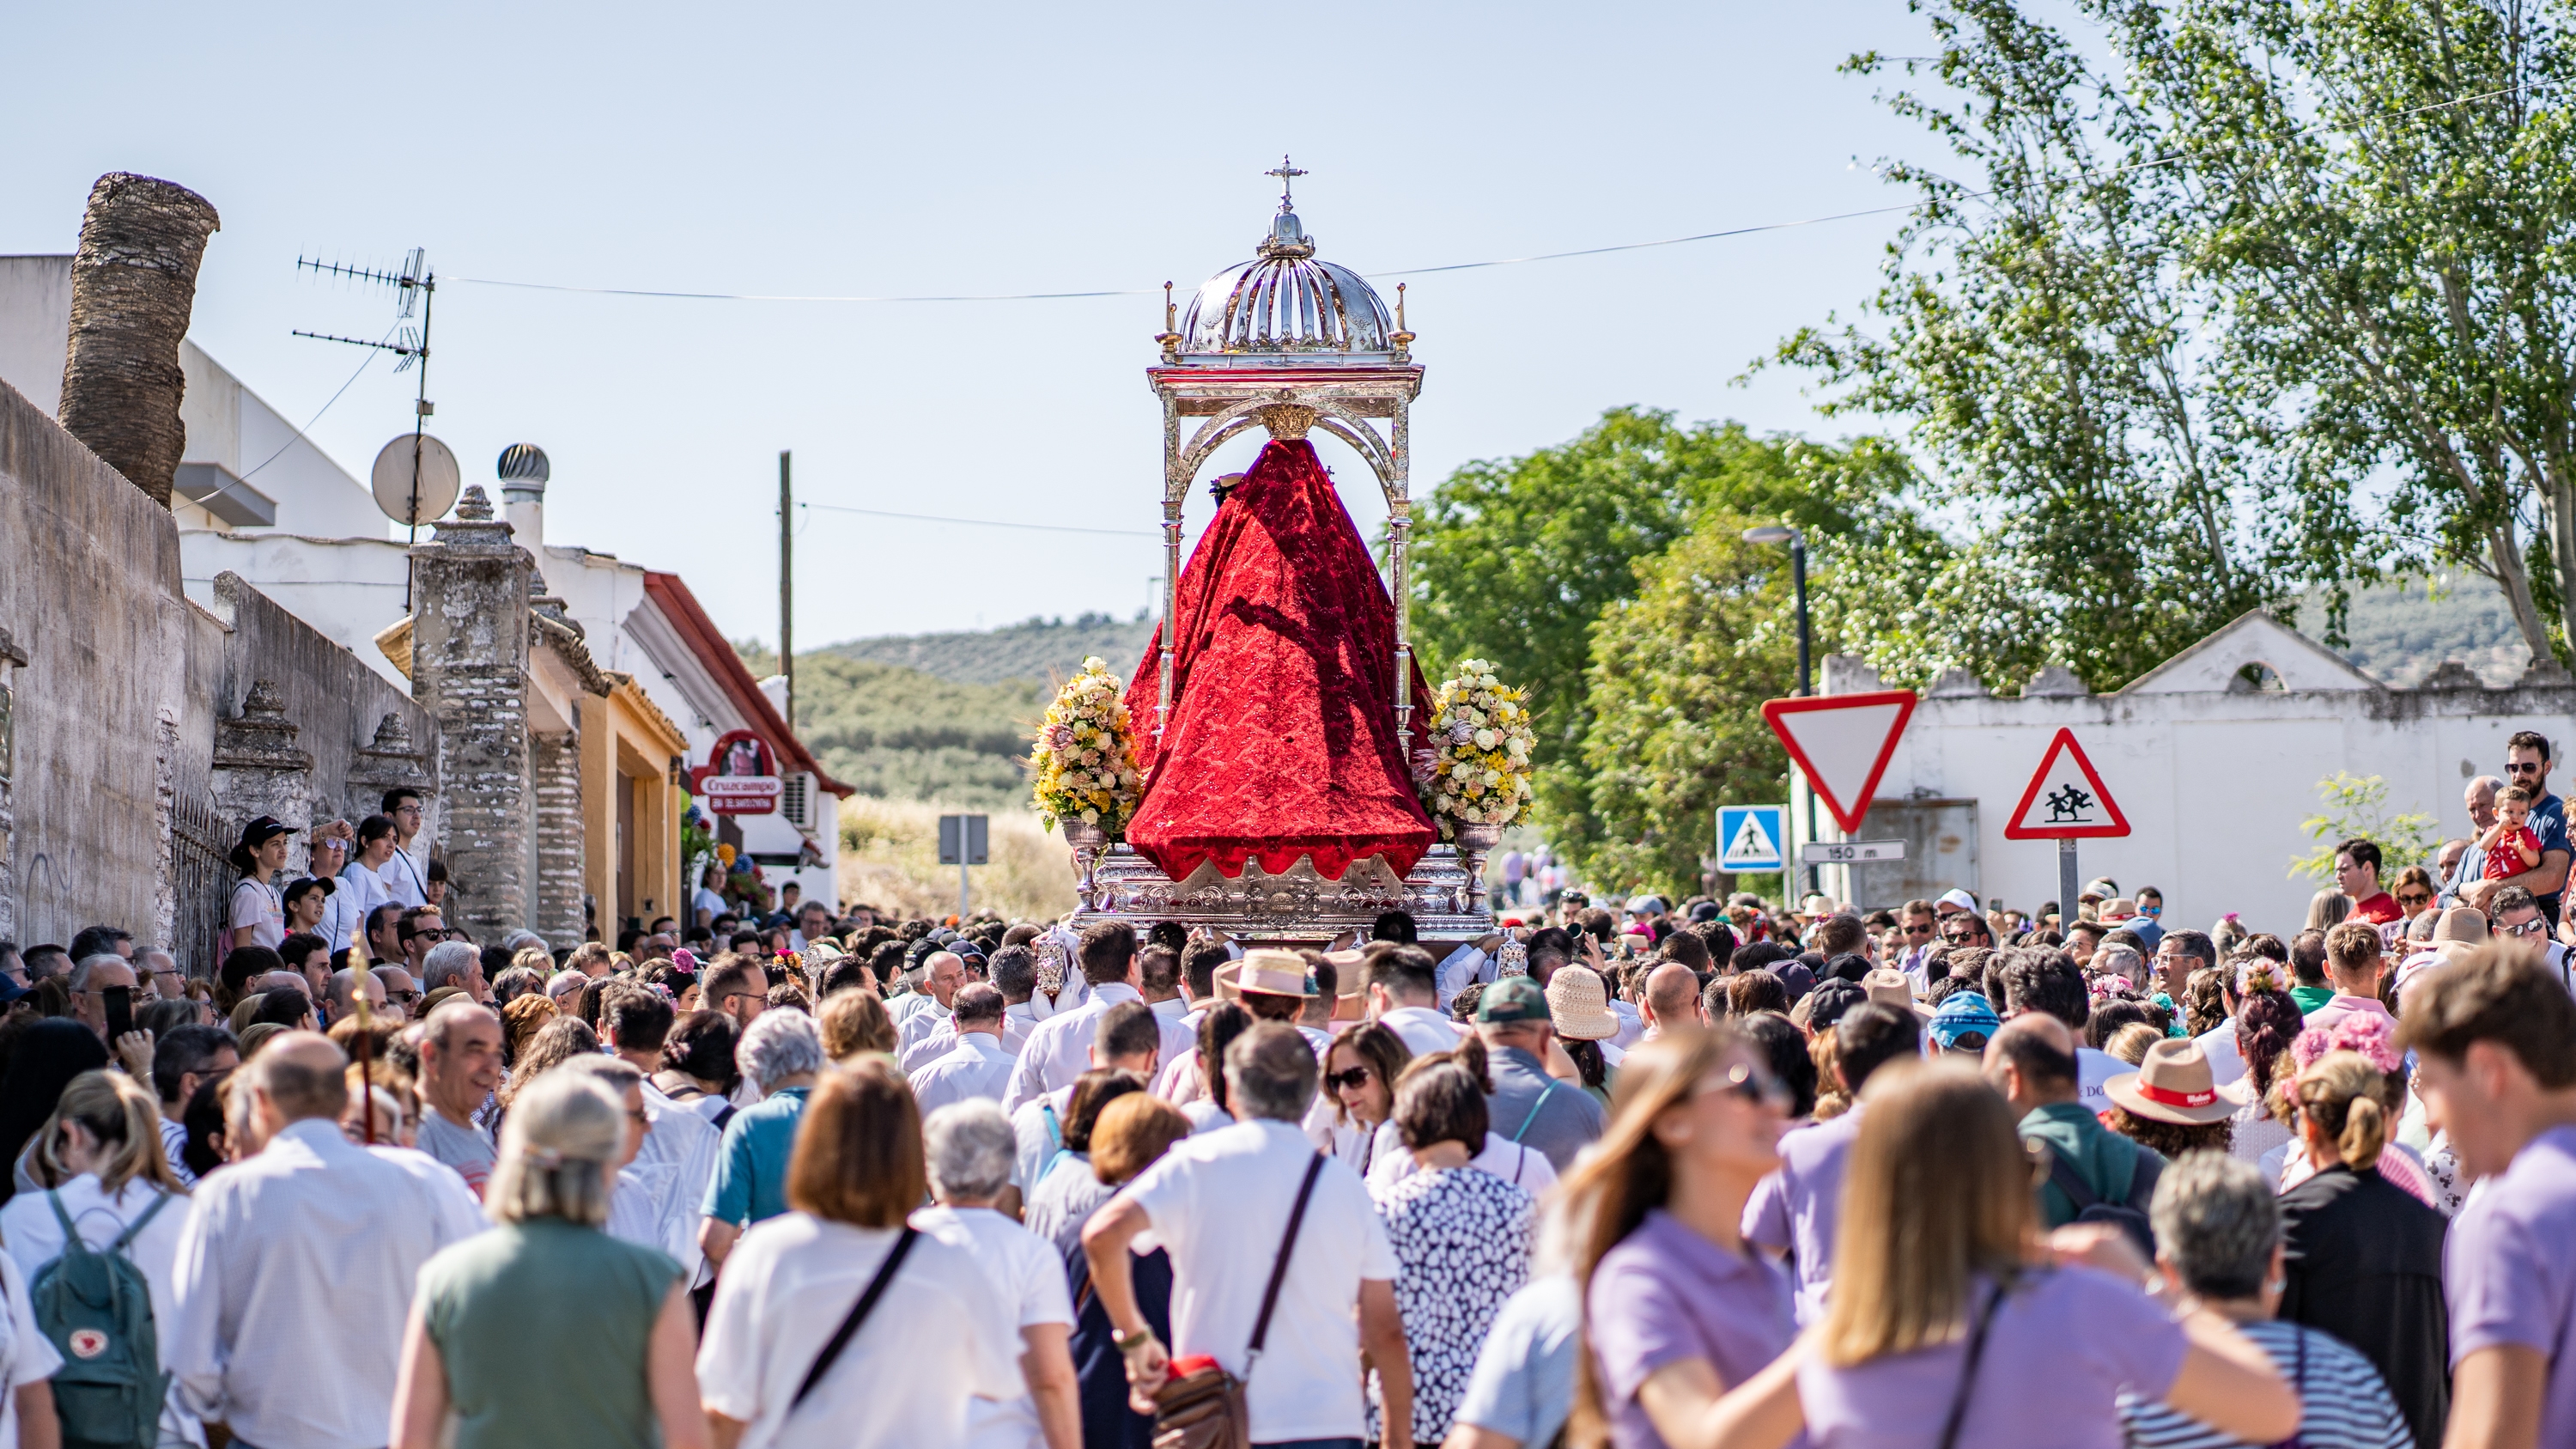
(302, 1254)
(2031, 1061)
(343, 1001)
(1672, 997)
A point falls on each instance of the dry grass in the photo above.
(890, 860)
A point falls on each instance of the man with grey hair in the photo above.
(782, 1051)
(159, 970)
(90, 983)
(460, 1066)
(977, 1064)
(970, 1147)
(2218, 1240)
(402, 994)
(2480, 798)
(943, 972)
(521, 940)
(302, 1254)
(457, 964)
(1222, 1204)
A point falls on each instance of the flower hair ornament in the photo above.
(2261, 973)
(2370, 1035)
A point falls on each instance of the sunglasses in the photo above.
(2414, 898)
(1918, 930)
(405, 997)
(2524, 767)
(1343, 1081)
(2536, 926)
(1750, 1085)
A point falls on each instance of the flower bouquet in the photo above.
(1085, 769)
(1478, 766)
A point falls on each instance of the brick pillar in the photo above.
(392, 759)
(259, 771)
(469, 669)
(554, 765)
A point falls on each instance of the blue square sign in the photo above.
(1752, 837)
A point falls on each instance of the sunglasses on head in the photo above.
(1341, 1081)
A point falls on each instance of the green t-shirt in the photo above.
(511, 1308)
(2310, 998)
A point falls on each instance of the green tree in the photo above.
(1513, 559)
(2038, 344)
(1677, 678)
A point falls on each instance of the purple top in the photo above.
(2061, 1349)
(2509, 1274)
(1794, 1209)
(1667, 1294)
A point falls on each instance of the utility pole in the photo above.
(787, 586)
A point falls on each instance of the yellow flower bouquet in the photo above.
(1085, 769)
(1480, 741)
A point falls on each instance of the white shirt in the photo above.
(405, 880)
(1176, 1012)
(978, 1066)
(301, 1258)
(1220, 1202)
(2226, 1059)
(259, 907)
(359, 891)
(899, 1009)
(707, 901)
(2092, 1069)
(1423, 1029)
(26, 1355)
(1522, 1166)
(1059, 1050)
(662, 1194)
(918, 1024)
(35, 1238)
(1028, 1275)
(1206, 1116)
(1632, 1025)
(938, 1339)
(943, 1039)
(1039, 1125)
(174, 1142)
(1463, 968)
(448, 1195)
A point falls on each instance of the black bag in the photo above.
(2129, 1214)
(1205, 1409)
(859, 1312)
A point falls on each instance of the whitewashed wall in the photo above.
(2214, 776)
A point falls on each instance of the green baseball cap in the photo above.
(1513, 998)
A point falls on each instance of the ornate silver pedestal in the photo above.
(1297, 905)
(1088, 841)
(1475, 842)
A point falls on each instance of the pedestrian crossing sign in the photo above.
(1749, 837)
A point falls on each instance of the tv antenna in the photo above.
(417, 287)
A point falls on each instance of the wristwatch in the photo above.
(1130, 1342)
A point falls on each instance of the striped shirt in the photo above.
(2343, 1403)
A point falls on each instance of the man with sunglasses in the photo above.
(2527, 762)
(2517, 917)
(1965, 928)
(1918, 935)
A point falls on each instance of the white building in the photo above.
(255, 499)
(2214, 757)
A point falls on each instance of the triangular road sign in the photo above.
(1841, 743)
(2065, 799)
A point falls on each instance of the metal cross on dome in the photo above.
(1287, 175)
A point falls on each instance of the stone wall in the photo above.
(554, 768)
(469, 669)
(90, 593)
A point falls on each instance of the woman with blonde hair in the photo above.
(101, 1171)
(932, 1338)
(2365, 1255)
(2327, 909)
(855, 1026)
(1952, 1322)
(498, 1315)
(1678, 1308)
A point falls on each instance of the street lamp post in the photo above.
(1797, 541)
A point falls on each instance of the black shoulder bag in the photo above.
(1968, 1373)
(1205, 1409)
(859, 1312)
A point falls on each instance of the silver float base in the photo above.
(1298, 905)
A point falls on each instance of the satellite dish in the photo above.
(405, 502)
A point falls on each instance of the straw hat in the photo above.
(1579, 1006)
(2174, 1084)
(1889, 987)
(1265, 973)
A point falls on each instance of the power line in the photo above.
(985, 522)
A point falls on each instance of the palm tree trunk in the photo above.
(133, 284)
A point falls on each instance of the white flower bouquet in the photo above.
(1085, 769)
(1478, 768)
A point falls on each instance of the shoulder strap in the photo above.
(1543, 1094)
(2148, 1169)
(858, 1314)
(1968, 1372)
(2068, 1180)
(724, 1114)
(133, 1230)
(1055, 1129)
(1279, 1267)
(73, 1246)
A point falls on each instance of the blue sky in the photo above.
(939, 149)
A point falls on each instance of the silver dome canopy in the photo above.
(1285, 303)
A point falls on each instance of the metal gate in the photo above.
(202, 879)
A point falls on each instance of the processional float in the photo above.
(1278, 719)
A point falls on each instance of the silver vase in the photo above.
(1474, 842)
(1088, 841)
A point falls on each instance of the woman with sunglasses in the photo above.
(1678, 1308)
(2414, 891)
(1359, 1077)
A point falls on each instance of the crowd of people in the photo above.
(1723, 1173)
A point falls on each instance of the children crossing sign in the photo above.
(2065, 799)
(1749, 837)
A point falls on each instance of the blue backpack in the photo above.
(96, 1307)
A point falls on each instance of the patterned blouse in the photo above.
(1462, 1245)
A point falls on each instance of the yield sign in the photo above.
(1842, 743)
(2065, 799)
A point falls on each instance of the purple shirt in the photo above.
(2060, 1351)
(1666, 1295)
(1794, 1209)
(2510, 1278)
